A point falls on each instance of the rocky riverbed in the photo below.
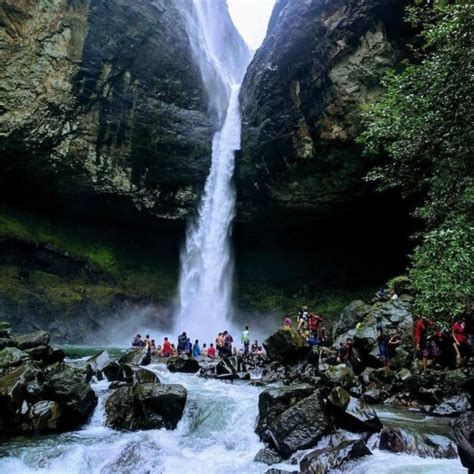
(297, 416)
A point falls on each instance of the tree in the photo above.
(421, 132)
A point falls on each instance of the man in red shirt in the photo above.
(166, 349)
(313, 322)
(421, 327)
(461, 346)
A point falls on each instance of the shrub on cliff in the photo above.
(421, 131)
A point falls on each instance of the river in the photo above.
(215, 435)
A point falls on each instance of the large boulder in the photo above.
(133, 374)
(146, 406)
(274, 401)
(457, 405)
(34, 339)
(323, 461)
(11, 357)
(351, 413)
(139, 356)
(299, 427)
(35, 398)
(183, 364)
(287, 345)
(99, 361)
(232, 367)
(463, 430)
(350, 316)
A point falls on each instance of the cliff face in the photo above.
(321, 62)
(101, 102)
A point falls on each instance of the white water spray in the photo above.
(205, 288)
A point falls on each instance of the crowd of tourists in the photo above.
(223, 346)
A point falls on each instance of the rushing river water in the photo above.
(215, 435)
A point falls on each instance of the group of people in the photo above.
(442, 345)
(222, 347)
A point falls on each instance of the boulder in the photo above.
(231, 366)
(146, 406)
(268, 456)
(111, 371)
(299, 427)
(34, 339)
(287, 346)
(326, 460)
(349, 317)
(4, 329)
(12, 357)
(457, 405)
(70, 389)
(274, 401)
(463, 431)
(99, 361)
(139, 356)
(397, 440)
(352, 413)
(182, 364)
(341, 375)
(133, 374)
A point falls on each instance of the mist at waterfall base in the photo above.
(206, 280)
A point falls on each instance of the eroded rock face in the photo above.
(119, 107)
(301, 101)
(182, 364)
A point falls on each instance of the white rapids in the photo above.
(205, 287)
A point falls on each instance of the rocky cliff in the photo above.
(321, 62)
(101, 103)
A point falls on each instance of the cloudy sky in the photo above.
(251, 18)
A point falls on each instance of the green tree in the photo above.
(421, 132)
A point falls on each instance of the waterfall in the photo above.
(205, 287)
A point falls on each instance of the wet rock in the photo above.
(274, 401)
(456, 405)
(299, 427)
(231, 366)
(75, 395)
(12, 357)
(326, 460)
(34, 339)
(139, 356)
(463, 430)
(350, 316)
(341, 375)
(182, 364)
(268, 456)
(133, 374)
(99, 360)
(111, 371)
(397, 440)
(286, 346)
(145, 407)
(4, 453)
(351, 413)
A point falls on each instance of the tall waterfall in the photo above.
(205, 287)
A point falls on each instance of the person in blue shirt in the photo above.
(196, 349)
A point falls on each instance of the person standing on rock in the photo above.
(421, 328)
(382, 341)
(166, 350)
(461, 345)
(182, 342)
(303, 316)
(246, 340)
(196, 349)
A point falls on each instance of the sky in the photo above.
(251, 18)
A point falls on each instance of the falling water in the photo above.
(205, 288)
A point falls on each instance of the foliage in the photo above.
(422, 137)
(399, 285)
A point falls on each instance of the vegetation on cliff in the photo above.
(421, 134)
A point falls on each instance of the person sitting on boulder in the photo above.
(303, 316)
(204, 350)
(211, 353)
(174, 351)
(254, 348)
(148, 343)
(461, 345)
(136, 341)
(166, 350)
(382, 341)
(196, 349)
(188, 347)
(182, 342)
(152, 346)
(420, 330)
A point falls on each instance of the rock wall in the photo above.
(101, 103)
(321, 62)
